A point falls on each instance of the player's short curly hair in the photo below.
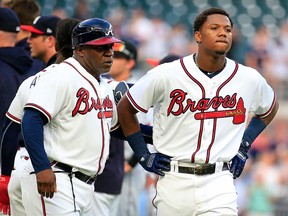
(63, 36)
(202, 17)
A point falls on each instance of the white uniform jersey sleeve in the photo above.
(147, 91)
(194, 115)
(264, 98)
(15, 111)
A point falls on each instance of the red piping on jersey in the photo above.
(135, 104)
(13, 117)
(43, 206)
(39, 108)
(268, 112)
(202, 121)
(116, 126)
(215, 119)
(102, 127)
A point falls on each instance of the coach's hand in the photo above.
(46, 183)
(155, 162)
(239, 160)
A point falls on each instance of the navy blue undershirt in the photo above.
(32, 129)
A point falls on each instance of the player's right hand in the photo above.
(4, 198)
(155, 162)
(46, 183)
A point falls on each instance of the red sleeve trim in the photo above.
(41, 109)
(13, 118)
(269, 111)
(134, 104)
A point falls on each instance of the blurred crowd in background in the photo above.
(263, 187)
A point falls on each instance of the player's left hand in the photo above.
(238, 161)
(4, 198)
(155, 162)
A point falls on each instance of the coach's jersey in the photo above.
(75, 104)
(15, 111)
(196, 118)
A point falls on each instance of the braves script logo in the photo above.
(88, 104)
(180, 104)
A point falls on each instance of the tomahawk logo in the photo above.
(231, 107)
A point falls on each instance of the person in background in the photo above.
(15, 63)
(134, 178)
(27, 11)
(42, 38)
(12, 73)
(110, 189)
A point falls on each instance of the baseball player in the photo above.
(201, 105)
(9, 141)
(66, 125)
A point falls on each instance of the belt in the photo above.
(79, 175)
(201, 169)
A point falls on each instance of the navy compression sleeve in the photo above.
(32, 129)
(9, 145)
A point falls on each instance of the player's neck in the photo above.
(210, 66)
(123, 76)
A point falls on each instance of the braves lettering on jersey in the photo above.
(73, 102)
(189, 107)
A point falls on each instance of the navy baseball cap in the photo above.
(9, 20)
(169, 58)
(43, 25)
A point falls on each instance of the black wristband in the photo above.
(255, 127)
(133, 161)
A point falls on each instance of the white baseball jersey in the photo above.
(81, 112)
(196, 118)
(15, 111)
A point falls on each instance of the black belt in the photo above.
(79, 175)
(201, 169)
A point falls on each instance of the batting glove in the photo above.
(4, 198)
(155, 162)
(239, 160)
(120, 91)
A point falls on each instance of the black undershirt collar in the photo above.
(207, 73)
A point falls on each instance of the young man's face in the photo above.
(216, 34)
(39, 45)
(120, 66)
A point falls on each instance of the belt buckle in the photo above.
(90, 178)
(198, 169)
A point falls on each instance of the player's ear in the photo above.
(131, 64)
(79, 51)
(197, 36)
